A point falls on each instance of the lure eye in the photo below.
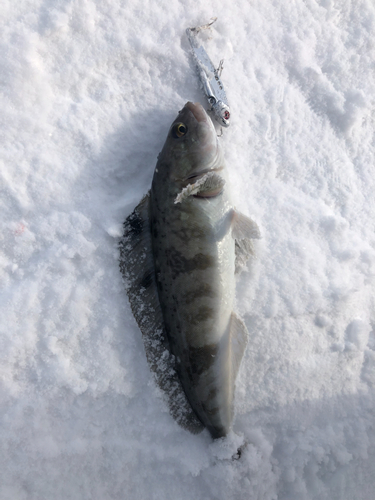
(179, 130)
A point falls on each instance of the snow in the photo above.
(89, 90)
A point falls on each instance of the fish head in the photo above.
(191, 146)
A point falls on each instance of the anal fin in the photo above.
(137, 268)
(239, 336)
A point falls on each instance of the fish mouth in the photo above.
(198, 111)
(197, 175)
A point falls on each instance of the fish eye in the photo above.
(179, 130)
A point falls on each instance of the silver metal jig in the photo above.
(210, 77)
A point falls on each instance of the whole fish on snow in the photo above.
(181, 248)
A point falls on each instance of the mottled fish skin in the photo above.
(194, 257)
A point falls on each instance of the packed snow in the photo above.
(89, 90)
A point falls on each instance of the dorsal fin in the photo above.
(137, 268)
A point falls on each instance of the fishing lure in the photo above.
(210, 77)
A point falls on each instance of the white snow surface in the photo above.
(88, 92)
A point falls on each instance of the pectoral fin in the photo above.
(137, 268)
(244, 230)
(244, 249)
(244, 227)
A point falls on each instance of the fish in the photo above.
(182, 247)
